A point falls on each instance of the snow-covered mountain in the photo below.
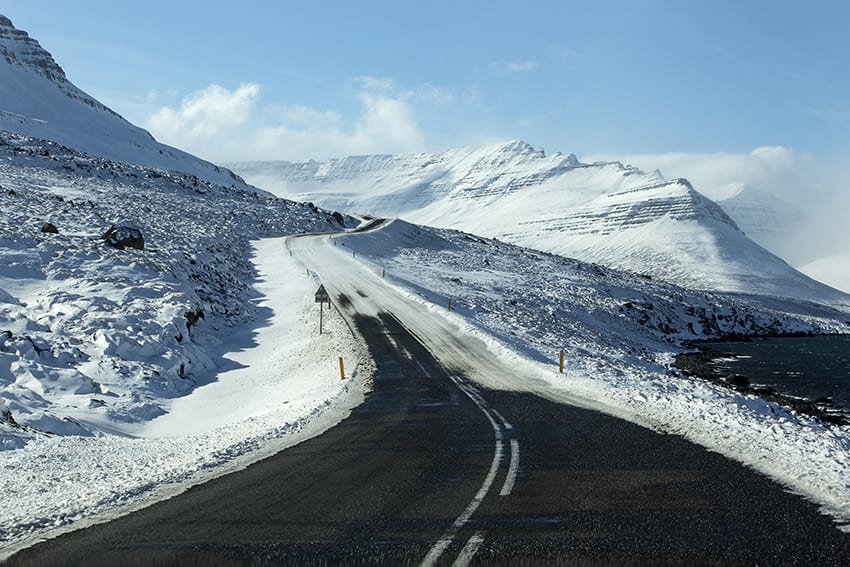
(768, 220)
(833, 269)
(37, 99)
(602, 212)
(93, 333)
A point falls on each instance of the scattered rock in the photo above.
(6, 417)
(737, 380)
(192, 318)
(702, 365)
(338, 218)
(122, 237)
(49, 228)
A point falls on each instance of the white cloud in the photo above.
(385, 125)
(385, 119)
(513, 67)
(432, 94)
(224, 125)
(777, 170)
(312, 118)
(203, 114)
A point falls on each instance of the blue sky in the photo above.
(290, 80)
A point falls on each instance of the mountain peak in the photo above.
(517, 146)
(522, 149)
(38, 100)
(18, 48)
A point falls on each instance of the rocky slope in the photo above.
(96, 331)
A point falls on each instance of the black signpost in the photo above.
(322, 297)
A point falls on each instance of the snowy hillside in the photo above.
(613, 318)
(92, 334)
(834, 270)
(37, 99)
(619, 333)
(606, 212)
(766, 219)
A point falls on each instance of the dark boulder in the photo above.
(49, 228)
(338, 218)
(122, 237)
(193, 317)
(737, 380)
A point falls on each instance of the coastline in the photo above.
(704, 363)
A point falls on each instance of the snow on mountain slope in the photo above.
(834, 270)
(768, 220)
(92, 336)
(602, 212)
(37, 99)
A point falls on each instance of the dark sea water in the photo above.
(805, 367)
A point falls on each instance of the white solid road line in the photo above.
(469, 550)
(461, 520)
(512, 470)
(510, 479)
(437, 550)
(502, 419)
(422, 368)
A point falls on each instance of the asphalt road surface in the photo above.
(432, 469)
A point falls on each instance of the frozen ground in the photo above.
(605, 212)
(128, 375)
(93, 337)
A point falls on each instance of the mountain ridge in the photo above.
(604, 212)
(38, 100)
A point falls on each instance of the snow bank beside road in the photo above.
(100, 358)
(619, 332)
(94, 334)
(283, 387)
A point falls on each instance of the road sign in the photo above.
(321, 298)
(322, 295)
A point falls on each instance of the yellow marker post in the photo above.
(561, 362)
(341, 369)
